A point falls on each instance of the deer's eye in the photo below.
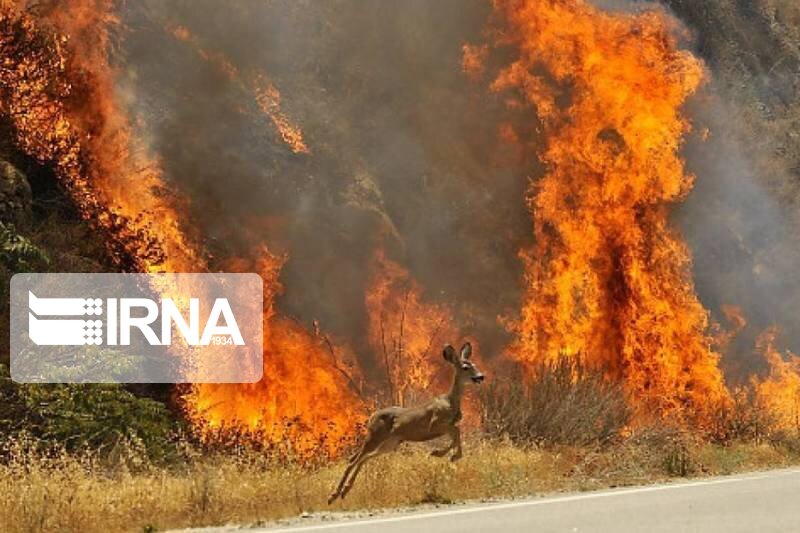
(465, 367)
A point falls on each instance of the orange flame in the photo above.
(60, 100)
(779, 391)
(307, 401)
(405, 332)
(58, 92)
(608, 278)
(473, 61)
(264, 92)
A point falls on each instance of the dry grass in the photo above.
(69, 493)
(567, 432)
(565, 403)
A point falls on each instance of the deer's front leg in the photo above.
(455, 433)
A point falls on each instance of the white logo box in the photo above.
(136, 328)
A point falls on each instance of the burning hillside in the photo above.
(60, 97)
(387, 209)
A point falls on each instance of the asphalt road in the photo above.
(763, 502)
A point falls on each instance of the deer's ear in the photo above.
(466, 350)
(449, 354)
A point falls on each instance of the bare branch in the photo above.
(317, 332)
(389, 379)
(433, 337)
(400, 349)
(350, 381)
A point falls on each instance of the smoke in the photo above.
(740, 219)
(404, 153)
(745, 252)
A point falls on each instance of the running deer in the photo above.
(390, 427)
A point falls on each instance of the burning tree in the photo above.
(405, 331)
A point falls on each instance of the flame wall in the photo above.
(609, 278)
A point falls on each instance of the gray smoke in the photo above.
(405, 152)
(741, 220)
(405, 155)
(745, 250)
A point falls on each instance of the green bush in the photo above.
(83, 417)
(18, 253)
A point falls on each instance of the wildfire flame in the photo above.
(263, 91)
(307, 401)
(59, 95)
(405, 331)
(778, 393)
(608, 279)
(301, 405)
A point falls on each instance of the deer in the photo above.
(391, 426)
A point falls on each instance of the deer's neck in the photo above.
(454, 396)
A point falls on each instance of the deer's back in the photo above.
(423, 422)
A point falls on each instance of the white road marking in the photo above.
(531, 503)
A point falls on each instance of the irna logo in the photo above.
(121, 316)
(137, 328)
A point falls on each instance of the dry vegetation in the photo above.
(568, 405)
(84, 493)
(570, 432)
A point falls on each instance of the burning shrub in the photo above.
(565, 403)
(744, 419)
(767, 407)
(608, 276)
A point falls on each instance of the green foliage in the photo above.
(18, 253)
(85, 364)
(83, 417)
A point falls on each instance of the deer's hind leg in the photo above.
(385, 446)
(379, 433)
(350, 464)
(455, 433)
(441, 452)
(455, 442)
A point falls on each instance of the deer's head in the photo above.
(465, 369)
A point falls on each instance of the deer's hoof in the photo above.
(439, 453)
(332, 497)
(455, 457)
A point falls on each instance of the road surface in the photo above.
(763, 502)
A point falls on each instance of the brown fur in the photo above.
(438, 417)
